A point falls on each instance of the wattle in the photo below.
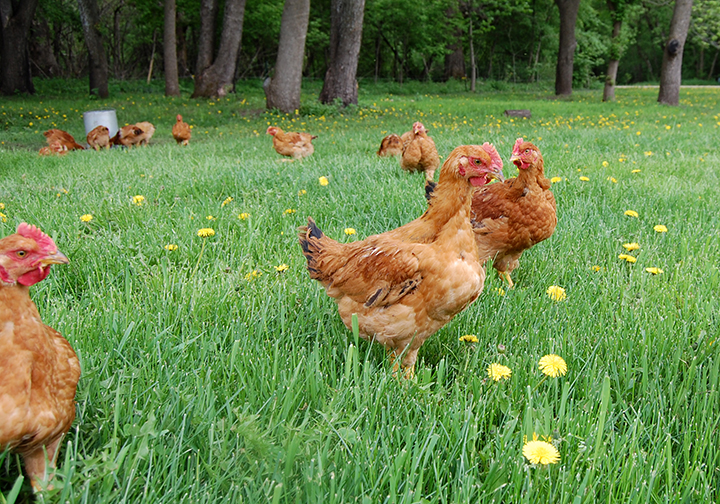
(478, 181)
(34, 276)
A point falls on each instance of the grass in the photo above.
(209, 376)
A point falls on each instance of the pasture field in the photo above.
(219, 372)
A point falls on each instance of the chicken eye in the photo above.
(476, 161)
(21, 253)
(527, 150)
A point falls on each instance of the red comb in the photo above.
(45, 243)
(493, 153)
(516, 147)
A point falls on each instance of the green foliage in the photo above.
(235, 382)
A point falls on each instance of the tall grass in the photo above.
(236, 382)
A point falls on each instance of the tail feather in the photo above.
(309, 242)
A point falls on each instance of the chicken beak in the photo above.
(56, 258)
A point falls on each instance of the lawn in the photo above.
(220, 372)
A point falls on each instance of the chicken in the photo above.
(148, 130)
(181, 131)
(294, 145)
(420, 153)
(128, 136)
(407, 283)
(40, 370)
(391, 145)
(54, 148)
(63, 137)
(513, 216)
(99, 137)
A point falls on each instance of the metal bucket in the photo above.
(106, 118)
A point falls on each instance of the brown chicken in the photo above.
(99, 137)
(128, 136)
(148, 130)
(40, 370)
(181, 131)
(294, 145)
(391, 145)
(406, 284)
(63, 137)
(420, 153)
(512, 216)
(55, 148)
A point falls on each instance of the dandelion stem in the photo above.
(202, 249)
(540, 383)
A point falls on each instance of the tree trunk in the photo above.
(671, 73)
(283, 90)
(208, 13)
(473, 69)
(214, 80)
(346, 21)
(566, 51)
(15, 20)
(711, 73)
(90, 20)
(172, 83)
(614, 63)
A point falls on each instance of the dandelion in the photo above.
(3, 217)
(648, 153)
(227, 200)
(660, 228)
(584, 178)
(204, 233)
(555, 180)
(540, 452)
(631, 213)
(210, 217)
(605, 164)
(612, 179)
(553, 365)
(253, 275)
(595, 268)
(637, 170)
(289, 211)
(349, 231)
(301, 192)
(500, 291)
(628, 258)
(2, 206)
(171, 247)
(556, 293)
(631, 246)
(243, 216)
(498, 372)
(86, 218)
(654, 270)
(281, 268)
(469, 338)
(138, 200)
(323, 181)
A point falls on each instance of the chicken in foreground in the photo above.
(99, 137)
(512, 216)
(148, 130)
(181, 131)
(55, 148)
(291, 144)
(40, 370)
(406, 284)
(62, 137)
(128, 136)
(391, 145)
(420, 153)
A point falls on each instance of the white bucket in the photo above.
(106, 118)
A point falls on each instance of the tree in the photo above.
(98, 67)
(345, 38)
(15, 19)
(566, 51)
(283, 90)
(213, 80)
(618, 11)
(671, 73)
(172, 84)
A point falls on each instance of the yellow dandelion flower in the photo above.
(648, 153)
(605, 164)
(138, 200)
(612, 179)
(540, 452)
(498, 372)
(595, 268)
(210, 217)
(349, 231)
(301, 192)
(553, 365)
(281, 268)
(3, 217)
(631, 213)
(323, 181)
(469, 338)
(500, 291)
(171, 247)
(243, 216)
(556, 293)
(289, 211)
(2, 206)
(628, 258)
(637, 170)
(206, 232)
(660, 228)
(253, 275)
(584, 178)
(86, 218)
(555, 180)
(654, 270)
(631, 246)
(227, 200)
